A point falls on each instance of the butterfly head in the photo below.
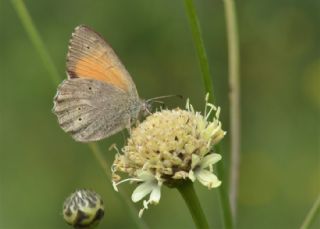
(145, 108)
(146, 105)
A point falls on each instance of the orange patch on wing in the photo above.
(88, 67)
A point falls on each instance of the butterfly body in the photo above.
(99, 97)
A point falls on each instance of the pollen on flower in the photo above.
(161, 150)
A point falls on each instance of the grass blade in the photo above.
(208, 83)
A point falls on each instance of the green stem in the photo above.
(234, 95)
(223, 193)
(204, 65)
(36, 40)
(199, 45)
(190, 197)
(124, 197)
(311, 214)
(98, 155)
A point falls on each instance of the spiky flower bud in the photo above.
(83, 209)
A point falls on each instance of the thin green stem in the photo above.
(199, 45)
(124, 197)
(311, 214)
(100, 158)
(207, 80)
(36, 40)
(190, 197)
(223, 193)
(234, 92)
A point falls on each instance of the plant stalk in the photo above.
(208, 83)
(234, 90)
(36, 40)
(310, 217)
(190, 197)
(200, 49)
(223, 193)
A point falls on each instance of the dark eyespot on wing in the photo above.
(91, 110)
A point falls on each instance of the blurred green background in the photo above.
(40, 165)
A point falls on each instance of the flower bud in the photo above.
(83, 209)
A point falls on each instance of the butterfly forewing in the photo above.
(89, 56)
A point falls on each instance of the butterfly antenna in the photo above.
(164, 97)
(157, 101)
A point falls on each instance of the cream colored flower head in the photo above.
(169, 147)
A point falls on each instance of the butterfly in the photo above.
(98, 98)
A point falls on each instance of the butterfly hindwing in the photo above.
(89, 109)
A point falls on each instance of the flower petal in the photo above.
(114, 184)
(210, 160)
(155, 195)
(141, 212)
(141, 191)
(216, 137)
(145, 204)
(145, 175)
(192, 176)
(195, 160)
(207, 178)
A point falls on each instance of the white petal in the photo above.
(211, 108)
(207, 178)
(218, 136)
(191, 176)
(208, 132)
(155, 195)
(188, 104)
(145, 175)
(145, 204)
(141, 191)
(145, 207)
(141, 212)
(195, 160)
(210, 160)
(215, 128)
(114, 184)
(218, 113)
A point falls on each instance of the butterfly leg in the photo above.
(129, 126)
